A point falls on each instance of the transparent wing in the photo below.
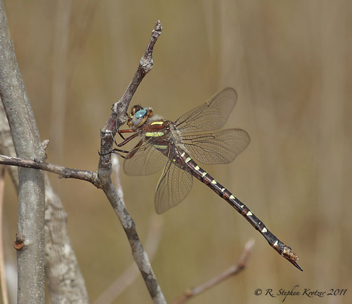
(210, 116)
(173, 187)
(146, 161)
(217, 148)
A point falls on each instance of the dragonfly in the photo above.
(168, 145)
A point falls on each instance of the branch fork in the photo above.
(102, 180)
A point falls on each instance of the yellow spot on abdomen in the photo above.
(157, 123)
(188, 159)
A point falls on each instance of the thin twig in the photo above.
(5, 298)
(131, 273)
(233, 270)
(151, 245)
(63, 172)
(116, 119)
(119, 109)
(145, 66)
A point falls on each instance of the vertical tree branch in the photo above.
(63, 276)
(29, 239)
(116, 119)
(27, 144)
(6, 145)
(3, 284)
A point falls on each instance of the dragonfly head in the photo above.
(139, 116)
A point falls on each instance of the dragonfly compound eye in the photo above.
(139, 117)
(140, 114)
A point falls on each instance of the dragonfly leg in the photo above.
(115, 142)
(115, 151)
(128, 139)
(118, 152)
(120, 136)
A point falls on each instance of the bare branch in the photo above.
(27, 144)
(138, 252)
(129, 276)
(119, 109)
(64, 172)
(5, 298)
(117, 118)
(233, 270)
(63, 276)
(145, 66)
(6, 145)
(102, 179)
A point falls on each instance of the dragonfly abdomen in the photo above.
(225, 194)
(207, 179)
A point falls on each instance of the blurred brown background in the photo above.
(290, 64)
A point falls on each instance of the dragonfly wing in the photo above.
(210, 116)
(146, 161)
(173, 187)
(221, 147)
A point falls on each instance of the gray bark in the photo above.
(63, 276)
(25, 136)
